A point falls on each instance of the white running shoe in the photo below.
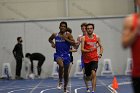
(59, 86)
(88, 90)
(66, 91)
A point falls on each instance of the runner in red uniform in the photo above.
(89, 45)
(131, 38)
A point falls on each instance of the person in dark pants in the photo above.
(36, 56)
(18, 54)
(72, 49)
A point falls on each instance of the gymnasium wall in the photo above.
(35, 35)
(44, 9)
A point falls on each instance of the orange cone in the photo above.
(115, 83)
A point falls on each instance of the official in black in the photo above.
(18, 54)
(36, 56)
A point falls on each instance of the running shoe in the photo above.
(59, 86)
(88, 90)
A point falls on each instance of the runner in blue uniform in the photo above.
(63, 41)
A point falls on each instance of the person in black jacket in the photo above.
(36, 56)
(18, 54)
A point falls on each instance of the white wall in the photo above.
(35, 39)
(44, 9)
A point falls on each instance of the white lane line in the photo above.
(18, 90)
(47, 89)
(31, 86)
(57, 89)
(23, 89)
(113, 90)
(26, 88)
(75, 90)
(36, 86)
(10, 84)
(102, 84)
(105, 85)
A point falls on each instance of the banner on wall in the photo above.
(128, 67)
(6, 71)
(107, 68)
